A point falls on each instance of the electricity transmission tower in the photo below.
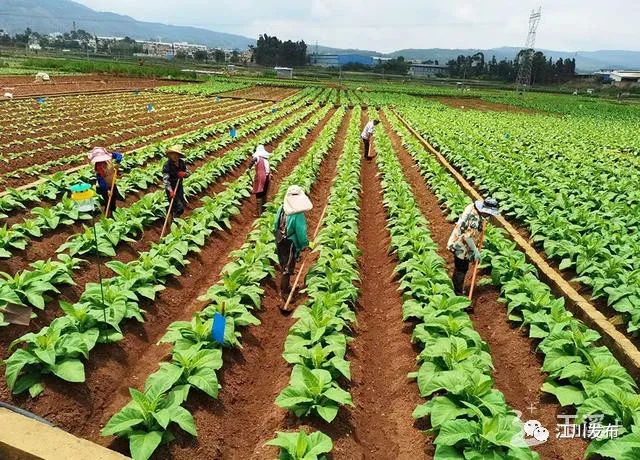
(525, 59)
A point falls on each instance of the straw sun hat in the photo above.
(98, 154)
(176, 148)
(488, 206)
(296, 201)
(261, 152)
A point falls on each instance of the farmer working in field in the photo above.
(262, 177)
(173, 174)
(291, 234)
(102, 159)
(465, 238)
(366, 135)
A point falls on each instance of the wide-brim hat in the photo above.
(488, 206)
(98, 154)
(176, 148)
(296, 201)
(261, 152)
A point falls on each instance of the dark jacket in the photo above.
(296, 229)
(170, 174)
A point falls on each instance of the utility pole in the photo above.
(525, 58)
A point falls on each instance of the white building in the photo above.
(625, 78)
(428, 70)
(284, 72)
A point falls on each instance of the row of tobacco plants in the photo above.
(60, 347)
(31, 287)
(316, 344)
(582, 374)
(469, 418)
(580, 206)
(148, 420)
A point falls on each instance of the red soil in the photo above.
(188, 123)
(81, 409)
(262, 93)
(27, 86)
(517, 364)
(474, 103)
(252, 377)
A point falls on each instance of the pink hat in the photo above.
(98, 154)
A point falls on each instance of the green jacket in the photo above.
(296, 229)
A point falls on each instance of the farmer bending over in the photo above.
(262, 177)
(101, 159)
(173, 174)
(464, 239)
(366, 135)
(291, 234)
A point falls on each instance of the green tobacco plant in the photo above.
(53, 350)
(147, 419)
(302, 446)
(582, 373)
(195, 366)
(254, 261)
(313, 391)
(469, 419)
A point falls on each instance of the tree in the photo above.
(219, 55)
(200, 55)
(270, 51)
(396, 66)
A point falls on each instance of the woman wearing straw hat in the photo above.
(102, 159)
(291, 233)
(466, 236)
(262, 177)
(173, 174)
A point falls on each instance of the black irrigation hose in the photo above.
(28, 414)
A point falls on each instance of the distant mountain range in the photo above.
(586, 61)
(46, 16)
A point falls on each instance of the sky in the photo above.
(385, 26)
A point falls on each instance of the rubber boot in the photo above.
(458, 282)
(284, 287)
(259, 206)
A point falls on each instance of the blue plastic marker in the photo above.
(217, 329)
(232, 132)
(150, 108)
(273, 110)
(40, 100)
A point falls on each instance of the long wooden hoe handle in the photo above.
(477, 263)
(304, 261)
(166, 219)
(113, 186)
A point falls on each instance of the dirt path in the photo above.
(381, 354)
(517, 365)
(244, 417)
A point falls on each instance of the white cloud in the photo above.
(390, 25)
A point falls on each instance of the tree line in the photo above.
(543, 70)
(271, 51)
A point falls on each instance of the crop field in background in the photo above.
(380, 359)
